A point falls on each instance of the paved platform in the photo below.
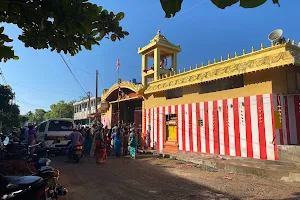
(275, 170)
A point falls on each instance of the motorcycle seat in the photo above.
(44, 161)
(16, 183)
(45, 168)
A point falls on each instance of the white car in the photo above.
(53, 131)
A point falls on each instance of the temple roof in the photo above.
(159, 40)
(124, 84)
(264, 58)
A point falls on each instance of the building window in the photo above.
(175, 93)
(222, 84)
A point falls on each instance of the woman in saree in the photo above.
(100, 146)
(118, 144)
(132, 143)
(88, 142)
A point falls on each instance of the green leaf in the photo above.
(225, 3)
(120, 16)
(171, 7)
(125, 33)
(276, 2)
(251, 3)
(16, 58)
(1, 29)
(113, 37)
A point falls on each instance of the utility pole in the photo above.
(97, 73)
(89, 106)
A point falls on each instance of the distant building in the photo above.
(82, 113)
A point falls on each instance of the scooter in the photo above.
(49, 174)
(22, 187)
(74, 153)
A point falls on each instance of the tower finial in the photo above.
(158, 32)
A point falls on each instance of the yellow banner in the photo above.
(277, 117)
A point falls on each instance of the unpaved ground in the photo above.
(153, 178)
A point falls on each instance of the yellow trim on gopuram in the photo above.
(124, 84)
(265, 58)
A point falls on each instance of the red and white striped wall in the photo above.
(241, 126)
(289, 109)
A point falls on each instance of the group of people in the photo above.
(97, 140)
(103, 142)
(28, 136)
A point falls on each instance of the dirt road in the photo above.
(153, 178)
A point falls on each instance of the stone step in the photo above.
(289, 153)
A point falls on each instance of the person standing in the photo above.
(100, 146)
(83, 133)
(118, 144)
(125, 140)
(132, 143)
(31, 138)
(93, 132)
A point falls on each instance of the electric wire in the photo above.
(73, 73)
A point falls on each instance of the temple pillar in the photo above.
(144, 67)
(156, 63)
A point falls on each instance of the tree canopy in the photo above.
(171, 7)
(35, 118)
(61, 110)
(9, 111)
(69, 25)
(64, 25)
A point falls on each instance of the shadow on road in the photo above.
(124, 178)
(296, 196)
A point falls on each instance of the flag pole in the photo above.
(118, 93)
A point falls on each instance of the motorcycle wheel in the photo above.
(76, 159)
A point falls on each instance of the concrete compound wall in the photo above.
(288, 107)
(242, 126)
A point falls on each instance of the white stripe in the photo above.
(167, 110)
(202, 128)
(275, 106)
(283, 119)
(211, 127)
(268, 126)
(292, 119)
(254, 127)
(161, 127)
(242, 125)
(187, 126)
(173, 111)
(180, 127)
(221, 127)
(231, 127)
(147, 117)
(155, 128)
(151, 125)
(194, 126)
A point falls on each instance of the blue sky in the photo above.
(40, 78)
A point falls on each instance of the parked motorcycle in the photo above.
(43, 169)
(22, 187)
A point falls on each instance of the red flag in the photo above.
(118, 63)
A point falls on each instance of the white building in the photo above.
(82, 113)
